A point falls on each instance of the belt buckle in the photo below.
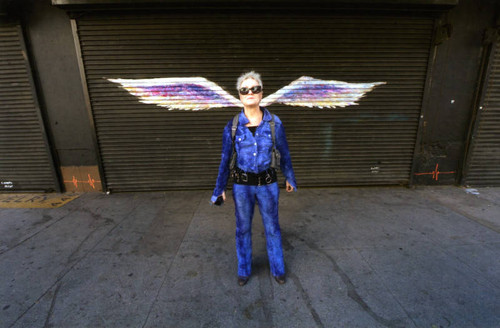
(268, 178)
(244, 177)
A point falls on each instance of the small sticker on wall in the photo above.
(7, 184)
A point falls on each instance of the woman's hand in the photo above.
(289, 187)
(220, 199)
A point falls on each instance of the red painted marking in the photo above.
(435, 173)
(90, 181)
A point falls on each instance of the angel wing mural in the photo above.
(198, 93)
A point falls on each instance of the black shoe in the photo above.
(280, 279)
(243, 280)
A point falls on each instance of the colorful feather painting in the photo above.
(197, 93)
(309, 92)
(189, 93)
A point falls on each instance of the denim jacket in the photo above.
(254, 152)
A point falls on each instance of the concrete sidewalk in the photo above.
(356, 257)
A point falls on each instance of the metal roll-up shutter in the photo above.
(145, 147)
(25, 160)
(483, 167)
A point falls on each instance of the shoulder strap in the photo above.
(235, 126)
(236, 118)
(273, 134)
(232, 161)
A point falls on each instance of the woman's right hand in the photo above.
(218, 201)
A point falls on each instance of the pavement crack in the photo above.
(351, 289)
(44, 220)
(307, 299)
(266, 294)
(52, 305)
(36, 233)
(71, 257)
(65, 272)
(392, 294)
(169, 266)
(487, 224)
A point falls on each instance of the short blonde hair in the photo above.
(249, 75)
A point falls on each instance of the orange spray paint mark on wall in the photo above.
(435, 174)
(91, 181)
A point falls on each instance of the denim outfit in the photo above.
(254, 155)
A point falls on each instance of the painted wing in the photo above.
(309, 92)
(188, 93)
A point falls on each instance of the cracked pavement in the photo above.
(355, 257)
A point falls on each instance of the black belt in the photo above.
(254, 179)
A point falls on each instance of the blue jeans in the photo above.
(267, 199)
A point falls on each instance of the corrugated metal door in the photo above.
(25, 160)
(145, 147)
(483, 164)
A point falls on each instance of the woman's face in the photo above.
(250, 99)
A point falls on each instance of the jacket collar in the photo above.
(243, 120)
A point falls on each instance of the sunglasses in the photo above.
(255, 90)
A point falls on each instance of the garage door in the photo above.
(25, 160)
(146, 147)
(483, 165)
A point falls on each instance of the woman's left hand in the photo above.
(289, 187)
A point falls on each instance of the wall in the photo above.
(443, 136)
(54, 60)
(441, 150)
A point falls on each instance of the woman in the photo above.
(254, 179)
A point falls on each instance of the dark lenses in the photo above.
(255, 90)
